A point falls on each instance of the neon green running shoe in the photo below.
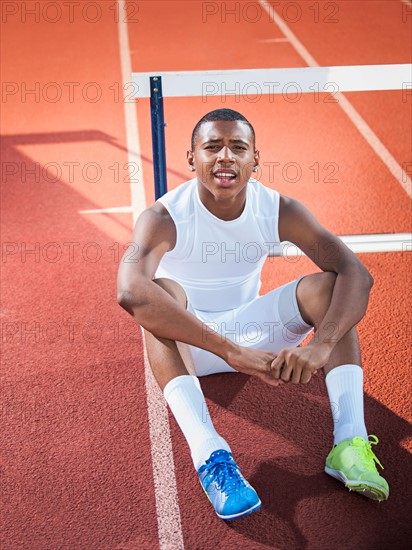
(353, 463)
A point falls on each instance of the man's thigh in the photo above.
(270, 322)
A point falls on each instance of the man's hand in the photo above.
(255, 363)
(299, 364)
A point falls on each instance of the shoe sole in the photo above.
(367, 489)
(254, 508)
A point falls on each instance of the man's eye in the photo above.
(238, 147)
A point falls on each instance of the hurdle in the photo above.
(243, 82)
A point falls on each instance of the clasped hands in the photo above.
(296, 365)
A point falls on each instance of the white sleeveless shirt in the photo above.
(217, 262)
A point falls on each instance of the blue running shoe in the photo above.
(230, 494)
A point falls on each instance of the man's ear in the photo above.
(190, 160)
(256, 156)
(256, 159)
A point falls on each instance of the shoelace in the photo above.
(364, 448)
(225, 474)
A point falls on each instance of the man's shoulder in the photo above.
(157, 217)
(287, 204)
(158, 212)
(169, 209)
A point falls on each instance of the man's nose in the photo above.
(225, 154)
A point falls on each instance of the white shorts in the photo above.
(270, 322)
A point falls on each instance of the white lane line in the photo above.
(385, 242)
(164, 478)
(299, 47)
(137, 190)
(167, 506)
(112, 210)
(365, 130)
(273, 40)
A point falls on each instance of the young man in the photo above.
(195, 286)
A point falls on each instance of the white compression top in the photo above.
(218, 262)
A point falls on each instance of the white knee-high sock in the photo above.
(188, 405)
(345, 389)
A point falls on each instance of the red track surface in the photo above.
(76, 466)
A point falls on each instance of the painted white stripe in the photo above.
(137, 190)
(386, 157)
(113, 210)
(167, 507)
(352, 78)
(385, 242)
(273, 40)
(365, 130)
(407, 3)
(299, 47)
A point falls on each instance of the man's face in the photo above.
(224, 157)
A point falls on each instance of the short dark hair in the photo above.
(220, 114)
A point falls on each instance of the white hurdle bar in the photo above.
(353, 78)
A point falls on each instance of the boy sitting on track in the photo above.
(194, 284)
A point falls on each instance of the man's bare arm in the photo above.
(151, 306)
(353, 283)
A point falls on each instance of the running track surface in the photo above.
(76, 466)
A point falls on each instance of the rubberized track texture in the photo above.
(81, 446)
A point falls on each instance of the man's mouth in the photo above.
(225, 177)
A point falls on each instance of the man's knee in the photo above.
(314, 294)
(174, 289)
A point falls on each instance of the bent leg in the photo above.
(168, 358)
(314, 294)
(344, 375)
(173, 368)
